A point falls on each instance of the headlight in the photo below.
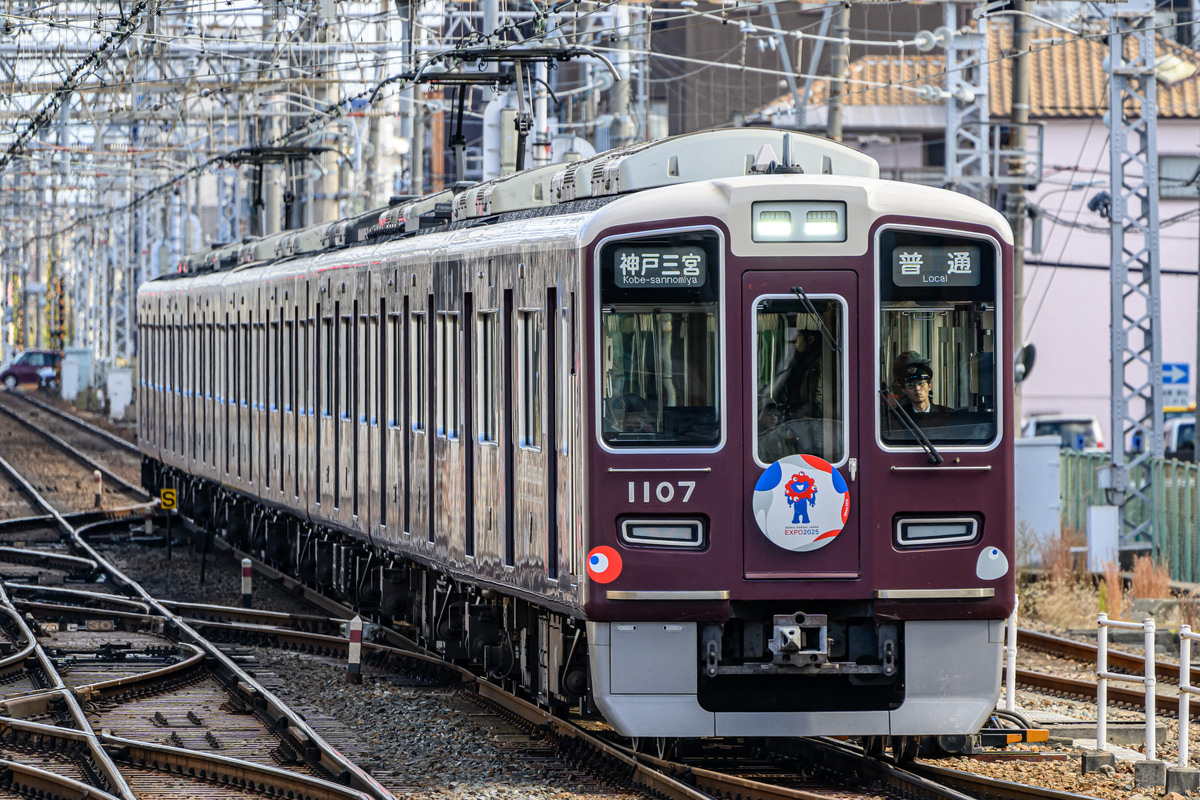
(936, 531)
(663, 532)
(798, 221)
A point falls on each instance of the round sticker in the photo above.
(604, 564)
(801, 503)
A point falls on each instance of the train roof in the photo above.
(705, 155)
(730, 156)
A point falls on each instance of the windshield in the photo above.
(660, 377)
(938, 336)
(660, 340)
(799, 376)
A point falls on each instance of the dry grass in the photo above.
(1112, 591)
(1189, 610)
(1064, 606)
(1065, 597)
(1057, 559)
(1150, 581)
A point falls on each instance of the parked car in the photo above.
(1179, 438)
(1077, 431)
(27, 367)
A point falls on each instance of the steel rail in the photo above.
(66, 743)
(29, 781)
(107, 768)
(47, 560)
(331, 760)
(292, 585)
(1133, 664)
(99, 601)
(323, 644)
(117, 440)
(1165, 705)
(211, 613)
(271, 781)
(982, 786)
(654, 774)
(74, 453)
(641, 774)
(147, 622)
(117, 686)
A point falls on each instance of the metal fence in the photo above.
(1176, 522)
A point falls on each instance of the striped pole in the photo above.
(354, 669)
(97, 477)
(149, 520)
(246, 572)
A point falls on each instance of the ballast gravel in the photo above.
(426, 742)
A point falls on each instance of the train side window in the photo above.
(659, 364)
(938, 348)
(448, 377)
(800, 378)
(440, 357)
(374, 378)
(395, 370)
(327, 355)
(487, 406)
(418, 359)
(529, 366)
(343, 385)
(289, 344)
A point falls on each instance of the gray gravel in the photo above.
(429, 742)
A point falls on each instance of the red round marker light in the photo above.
(604, 564)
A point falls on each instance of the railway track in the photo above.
(772, 770)
(118, 693)
(154, 708)
(1166, 702)
(60, 472)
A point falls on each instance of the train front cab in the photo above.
(812, 572)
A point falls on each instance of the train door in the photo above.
(420, 394)
(289, 487)
(345, 362)
(370, 436)
(393, 463)
(323, 490)
(305, 378)
(800, 517)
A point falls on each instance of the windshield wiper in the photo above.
(898, 410)
(811, 309)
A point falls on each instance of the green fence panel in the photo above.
(1176, 505)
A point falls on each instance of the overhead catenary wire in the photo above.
(304, 128)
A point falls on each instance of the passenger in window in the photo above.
(914, 375)
(799, 391)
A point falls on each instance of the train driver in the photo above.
(914, 375)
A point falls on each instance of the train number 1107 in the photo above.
(663, 493)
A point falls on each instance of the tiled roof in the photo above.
(1067, 78)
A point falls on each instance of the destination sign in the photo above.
(659, 267)
(933, 267)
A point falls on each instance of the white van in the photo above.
(1078, 431)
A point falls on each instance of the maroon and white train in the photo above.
(649, 433)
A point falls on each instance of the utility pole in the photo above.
(1016, 197)
(839, 65)
(1136, 400)
(1195, 181)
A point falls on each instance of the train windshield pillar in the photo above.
(660, 342)
(938, 340)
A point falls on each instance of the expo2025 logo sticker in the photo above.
(801, 503)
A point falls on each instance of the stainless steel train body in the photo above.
(553, 424)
